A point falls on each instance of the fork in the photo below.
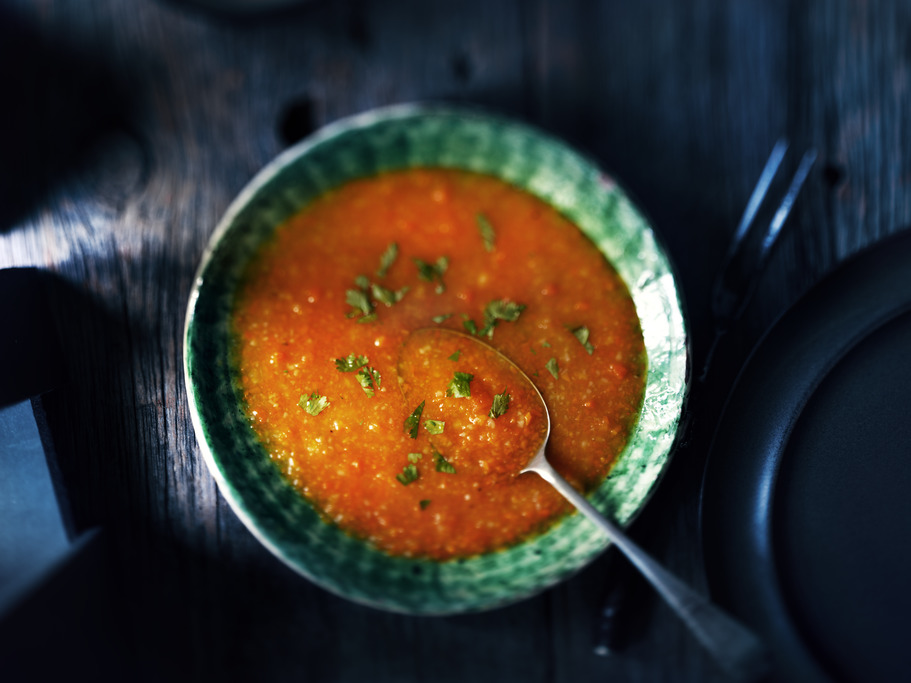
(743, 264)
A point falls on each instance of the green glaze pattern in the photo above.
(393, 138)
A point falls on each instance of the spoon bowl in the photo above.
(736, 650)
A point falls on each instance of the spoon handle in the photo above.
(736, 650)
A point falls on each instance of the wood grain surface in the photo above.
(128, 127)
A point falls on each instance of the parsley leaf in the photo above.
(387, 296)
(413, 421)
(581, 333)
(369, 379)
(497, 310)
(455, 355)
(487, 232)
(415, 457)
(363, 300)
(442, 464)
(359, 301)
(500, 404)
(387, 259)
(434, 426)
(553, 368)
(460, 385)
(501, 309)
(441, 318)
(314, 403)
(433, 272)
(351, 363)
(424, 504)
(408, 475)
(470, 325)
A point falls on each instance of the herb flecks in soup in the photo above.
(432, 471)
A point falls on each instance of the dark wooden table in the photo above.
(126, 129)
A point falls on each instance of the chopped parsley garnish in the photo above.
(350, 364)
(553, 368)
(455, 355)
(314, 403)
(424, 504)
(500, 404)
(501, 309)
(469, 325)
(387, 296)
(487, 330)
(415, 457)
(387, 259)
(369, 379)
(359, 301)
(413, 421)
(434, 426)
(460, 385)
(494, 312)
(442, 464)
(441, 318)
(433, 272)
(408, 475)
(581, 333)
(363, 300)
(487, 232)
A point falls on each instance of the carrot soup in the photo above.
(321, 321)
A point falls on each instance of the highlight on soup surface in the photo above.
(431, 469)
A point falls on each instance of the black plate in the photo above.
(806, 501)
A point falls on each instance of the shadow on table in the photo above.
(132, 597)
(57, 607)
(60, 102)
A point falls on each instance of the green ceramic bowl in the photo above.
(393, 138)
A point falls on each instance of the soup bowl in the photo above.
(402, 137)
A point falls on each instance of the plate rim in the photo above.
(787, 348)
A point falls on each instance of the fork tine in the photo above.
(739, 271)
(758, 195)
(737, 277)
(784, 209)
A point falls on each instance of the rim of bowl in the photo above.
(667, 280)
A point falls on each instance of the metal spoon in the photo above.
(736, 650)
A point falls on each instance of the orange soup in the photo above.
(323, 318)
